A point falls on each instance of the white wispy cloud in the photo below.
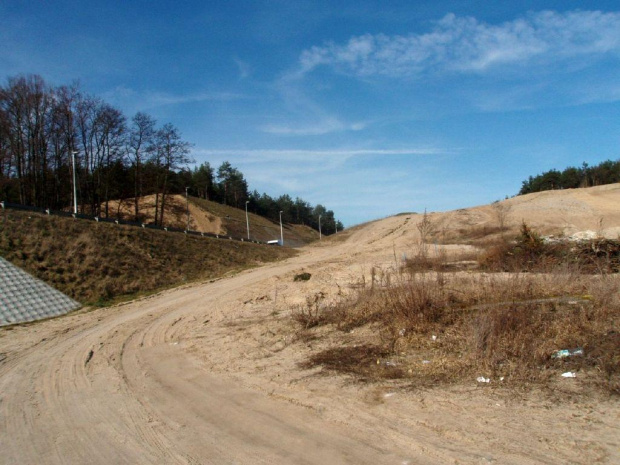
(467, 45)
(326, 126)
(243, 67)
(299, 167)
(153, 99)
(301, 154)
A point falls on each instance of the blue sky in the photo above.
(369, 108)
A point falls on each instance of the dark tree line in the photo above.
(607, 172)
(227, 185)
(49, 133)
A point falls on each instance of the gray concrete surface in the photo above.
(25, 298)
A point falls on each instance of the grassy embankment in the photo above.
(99, 263)
(504, 323)
(262, 229)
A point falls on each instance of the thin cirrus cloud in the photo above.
(332, 176)
(326, 126)
(150, 99)
(467, 45)
(303, 155)
(302, 162)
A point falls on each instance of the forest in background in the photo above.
(607, 172)
(49, 134)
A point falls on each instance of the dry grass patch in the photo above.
(96, 263)
(433, 328)
(530, 252)
(364, 361)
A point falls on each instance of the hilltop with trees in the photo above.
(45, 131)
(607, 172)
(228, 186)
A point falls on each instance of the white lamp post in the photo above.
(320, 236)
(281, 230)
(247, 218)
(187, 204)
(74, 186)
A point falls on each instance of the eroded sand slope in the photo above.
(208, 373)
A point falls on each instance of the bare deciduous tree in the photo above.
(501, 211)
(426, 227)
(140, 146)
(171, 152)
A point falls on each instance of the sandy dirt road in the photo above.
(209, 373)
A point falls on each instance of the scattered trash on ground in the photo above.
(482, 379)
(569, 374)
(568, 353)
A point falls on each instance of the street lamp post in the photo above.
(187, 205)
(320, 235)
(74, 186)
(281, 230)
(247, 218)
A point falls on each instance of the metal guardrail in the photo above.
(81, 216)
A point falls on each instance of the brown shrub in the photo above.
(496, 325)
(529, 252)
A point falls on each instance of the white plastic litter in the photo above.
(569, 374)
(567, 353)
(482, 379)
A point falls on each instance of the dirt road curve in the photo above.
(113, 386)
(208, 374)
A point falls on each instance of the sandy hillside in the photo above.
(592, 211)
(209, 373)
(562, 212)
(175, 216)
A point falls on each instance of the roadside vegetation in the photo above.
(503, 324)
(101, 263)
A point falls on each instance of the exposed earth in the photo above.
(210, 372)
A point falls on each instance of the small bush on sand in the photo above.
(302, 277)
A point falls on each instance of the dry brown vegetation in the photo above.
(213, 217)
(530, 252)
(429, 326)
(234, 223)
(97, 263)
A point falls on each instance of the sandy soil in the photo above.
(176, 213)
(209, 373)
